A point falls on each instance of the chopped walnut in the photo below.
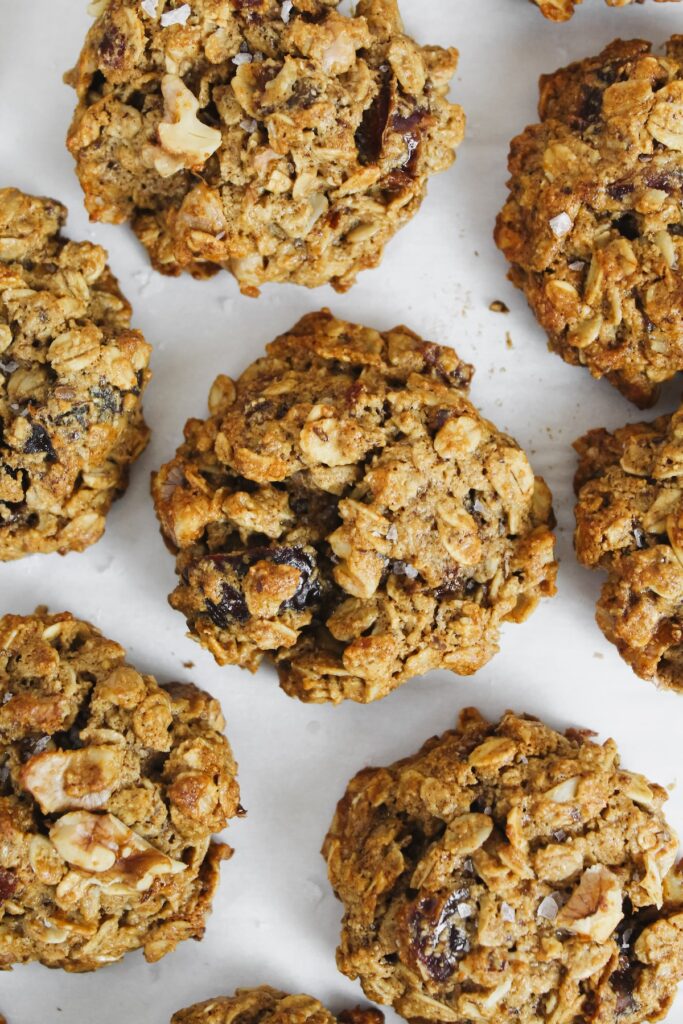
(185, 141)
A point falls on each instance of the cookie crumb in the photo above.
(498, 306)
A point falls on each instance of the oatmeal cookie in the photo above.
(562, 10)
(280, 141)
(346, 510)
(72, 373)
(593, 225)
(511, 874)
(110, 789)
(629, 521)
(266, 1005)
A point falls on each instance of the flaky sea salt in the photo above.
(577, 265)
(150, 7)
(507, 912)
(242, 58)
(465, 910)
(410, 571)
(392, 532)
(286, 10)
(249, 124)
(548, 909)
(178, 16)
(560, 225)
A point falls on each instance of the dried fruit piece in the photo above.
(471, 894)
(111, 789)
(347, 511)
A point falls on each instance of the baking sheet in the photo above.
(275, 919)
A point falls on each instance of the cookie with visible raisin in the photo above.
(111, 787)
(593, 226)
(629, 522)
(72, 373)
(279, 141)
(346, 511)
(266, 1005)
(511, 874)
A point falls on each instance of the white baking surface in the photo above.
(275, 919)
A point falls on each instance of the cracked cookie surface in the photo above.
(72, 373)
(509, 873)
(266, 1005)
(593, 226)
(346, 510)
(629, 521)
(110, 789)
(281, 142)
(562, 10)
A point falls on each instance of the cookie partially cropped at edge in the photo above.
(346, 511)
(512, 874)
(266, 1005)
(72, 373)
(110, 789)
(629, 521)
(562, 10)
(280, 141)
(593, 226)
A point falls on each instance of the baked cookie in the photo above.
(593, 226)
(562, 10)
(346, 510)
(266, 1005)
(629, 521)
(508, 873)
(110, 789)
(280, 141)
(72, 373)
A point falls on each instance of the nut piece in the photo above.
(187, 143)
(595, 907)
(101, 844)
(62, 779)
(385, 528)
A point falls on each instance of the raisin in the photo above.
(370, 132)
(8, 884)
(438, 935)
(39, 443)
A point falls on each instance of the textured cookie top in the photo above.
(629, 520)
(71, 375)
(266, 1005)
(508, 873)
(110, 788)
(562, 10)
(283, 142)
(594, 220)
(346, 509)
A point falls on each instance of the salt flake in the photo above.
(561, 225)
(286, 11)
(150, 7)
(178, 16)
(577, 265)
(507, 912)
(465, 910)
(548, 909)
(242, 58)
(392, 532)
(249, 125)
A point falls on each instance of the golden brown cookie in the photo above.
(72, 373)
(593, 226)
(110, 789)
(347, 511)
(629, 521)
(266, 1005)
(562, 10)
(280, 141)
(511, 874)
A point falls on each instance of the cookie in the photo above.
(629, 521)
(346, 511)
(110, 789)
(279, 141)
(562, 10)
(72, 373)
(593, 226)
(266, 1005)
(512, 874)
